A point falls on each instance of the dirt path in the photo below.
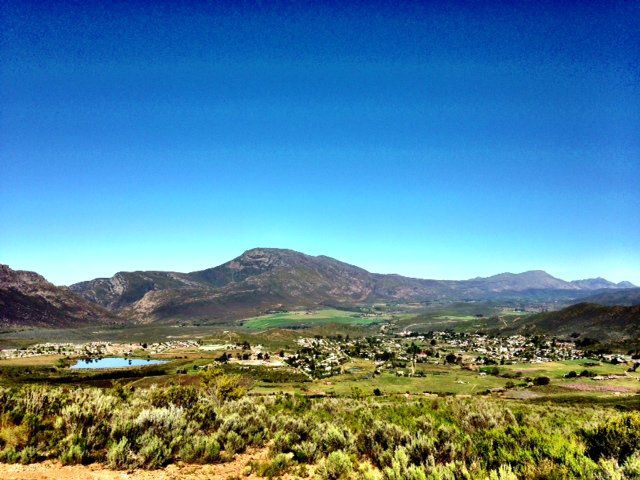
(55, 471)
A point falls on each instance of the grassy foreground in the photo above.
(378, 437)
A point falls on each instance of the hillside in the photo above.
(266, 278)
(27, 299)
(587, 319)
(626, 297)
(600, 283)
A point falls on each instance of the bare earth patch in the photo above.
(591, 387)
(55, 471)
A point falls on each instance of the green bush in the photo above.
(330, 437)
(28, 455)
(617, 438)
(120, 455)
(274, 467)
(336, 466)
(234, 443)
(540, 381)
(305, 452)
(631, 467)
(75, 453)
(201, 449)
(154, 452)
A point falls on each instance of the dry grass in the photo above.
(39, 360)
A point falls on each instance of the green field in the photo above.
(307, 319)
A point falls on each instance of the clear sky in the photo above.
(439, 141)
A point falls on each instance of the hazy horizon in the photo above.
(434, 141)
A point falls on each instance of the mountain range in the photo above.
(259, 280)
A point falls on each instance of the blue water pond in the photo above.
(114, 362)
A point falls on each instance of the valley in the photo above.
(279, 364)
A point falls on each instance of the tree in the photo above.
(451, 358)
(541, 381)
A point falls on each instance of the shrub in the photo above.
(120, 455)
(201, 449)
(162, 422)
(224, 387)
(330, 438)
(401, 468)
(305, 452)
(618, 438)
(9, 455)
(631, 467)
(234, 443)
(336, 466)
(28, 455)
(75, 453)
(274, 467)
(540, 381)
(175, 395)
(503, 473)
(154, 452)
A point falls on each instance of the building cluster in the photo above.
(318, 357)
(96, 349)
(323, 357)
(512, 349)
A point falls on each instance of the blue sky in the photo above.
(439, 141)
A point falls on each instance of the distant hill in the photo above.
(27, 299)
(600, 283)
(587, 319)
(626, 297)
(266, 278)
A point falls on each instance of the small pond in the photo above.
(114, 362)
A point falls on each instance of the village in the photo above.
(400, 353)
(96, 349)
(324, 357)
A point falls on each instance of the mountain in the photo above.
(263, 279)
(27, 299)
(600, 283)
(258, 280)
(625, 297)
(531, 280)
(589, 320)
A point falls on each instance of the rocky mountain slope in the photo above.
(27, 299)
(265, 278)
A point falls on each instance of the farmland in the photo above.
(314, 318)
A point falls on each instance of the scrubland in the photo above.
(368, 437)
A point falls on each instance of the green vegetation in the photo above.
(302, 319)
(362, 436)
